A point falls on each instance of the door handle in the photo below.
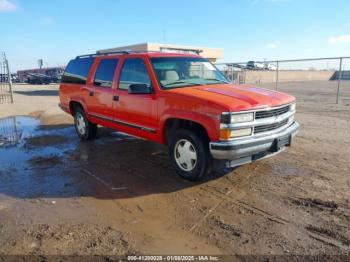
(116, 98)
(91, 93)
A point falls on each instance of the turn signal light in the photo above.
(225, 134)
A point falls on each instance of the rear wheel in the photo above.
(84, 128)
(189, 155)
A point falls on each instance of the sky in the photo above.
(58, 30)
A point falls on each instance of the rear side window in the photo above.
(77, 71)
(134, 72)
(105, 72)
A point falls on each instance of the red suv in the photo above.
(182, 101)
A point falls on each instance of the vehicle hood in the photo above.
(237, 98)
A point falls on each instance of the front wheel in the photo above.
(189, 155)
(84, 128)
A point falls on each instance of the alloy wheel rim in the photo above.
(185, 155)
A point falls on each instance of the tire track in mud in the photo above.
(319, 204)
(328, 233)
(325, 236)
(218, 204)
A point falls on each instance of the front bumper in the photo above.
(247, 150)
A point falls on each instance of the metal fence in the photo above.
(327, 79)
(6, 94)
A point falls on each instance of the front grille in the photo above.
(265, 128)
(272, 112)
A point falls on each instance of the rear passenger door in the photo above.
(101, 93)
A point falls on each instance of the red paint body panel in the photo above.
(200, 104)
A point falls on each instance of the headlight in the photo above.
(226, 134)
(292, 107)
(241, 132)
(237, 118)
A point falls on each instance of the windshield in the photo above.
(176, 72)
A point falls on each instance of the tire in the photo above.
(84, 128)
(189, 155)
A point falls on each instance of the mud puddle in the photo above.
(15, 130)
(25, 150)
(37, 161)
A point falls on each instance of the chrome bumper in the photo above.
(247, 150)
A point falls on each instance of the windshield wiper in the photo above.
(217, 80)
(182, 82)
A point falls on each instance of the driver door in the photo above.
(136, 113)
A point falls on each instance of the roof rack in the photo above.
(125, 52)
(100, 54)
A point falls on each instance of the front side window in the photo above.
(77, 71)
(134, 71)
(105, 73)
(175, 72)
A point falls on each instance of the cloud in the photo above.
(271, 46)
(8, 6)
(342, 39)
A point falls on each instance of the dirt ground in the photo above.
(118, 195)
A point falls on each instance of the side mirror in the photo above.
(139, 89)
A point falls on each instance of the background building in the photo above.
(211, 53)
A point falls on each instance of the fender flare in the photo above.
(77, 100)
(210, 123)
